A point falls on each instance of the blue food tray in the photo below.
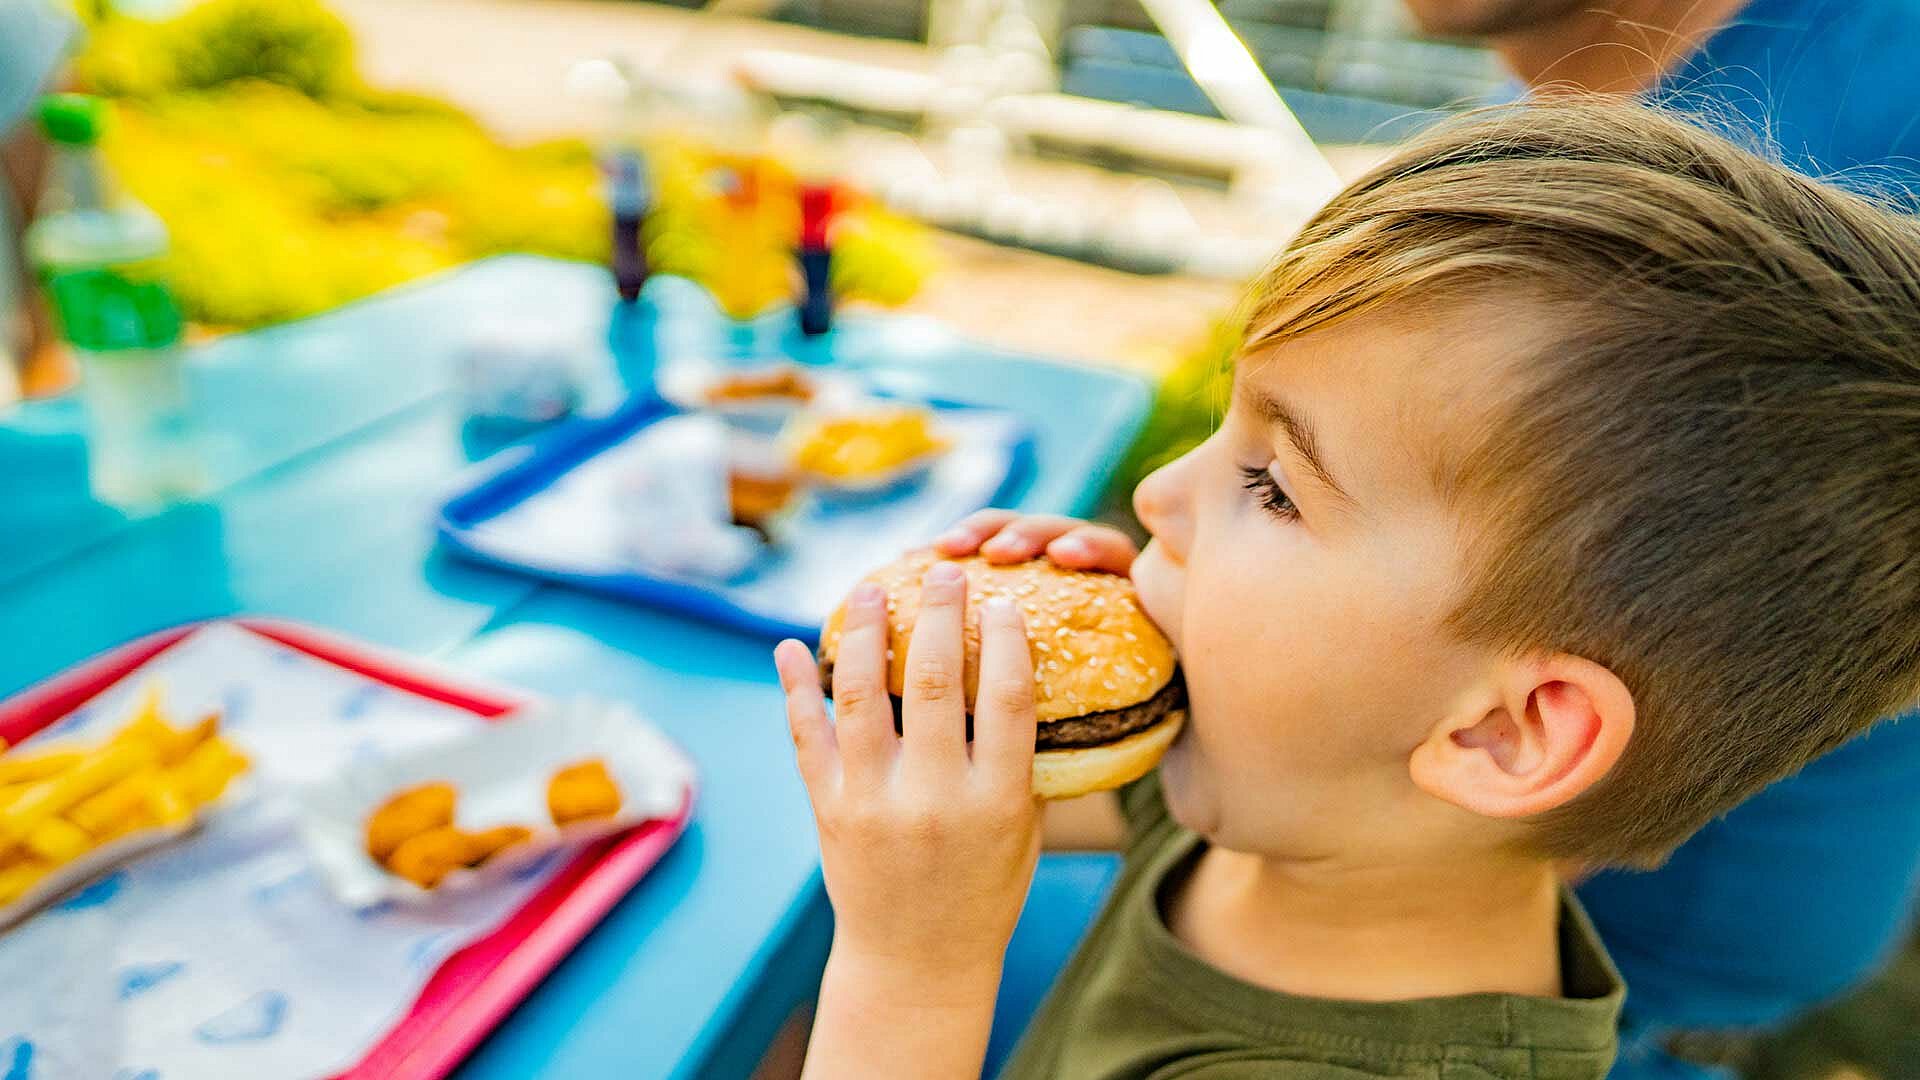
(520, 474)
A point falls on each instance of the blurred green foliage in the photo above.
(1187, 409)
(298, 44)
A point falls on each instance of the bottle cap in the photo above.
(73, 119)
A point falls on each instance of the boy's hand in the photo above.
(1002, 536)
(927, 845)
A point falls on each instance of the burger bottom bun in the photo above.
(1064, 774)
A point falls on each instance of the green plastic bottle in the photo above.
(96, 253)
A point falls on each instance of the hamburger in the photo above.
(1107, 688)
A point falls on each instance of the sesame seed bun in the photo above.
(1102, 670)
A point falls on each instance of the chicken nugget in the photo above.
(408, 814)
(582, 791)
(487, 843)
(429, 856)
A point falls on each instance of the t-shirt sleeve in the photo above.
(1255, 1066)
(33, 39)
(1143, 807)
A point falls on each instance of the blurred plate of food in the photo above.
(485, 805)
(682, 511)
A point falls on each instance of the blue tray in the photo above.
(777, 596)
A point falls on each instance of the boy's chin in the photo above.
(1182, 782)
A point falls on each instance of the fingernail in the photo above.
(868, 594)
(945, 574)
(1071, 545)
(946, 539)
(999, 606)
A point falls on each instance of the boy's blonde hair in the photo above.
(1709, 481)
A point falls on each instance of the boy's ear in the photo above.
(1550, 729)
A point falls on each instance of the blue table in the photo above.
(337, 438)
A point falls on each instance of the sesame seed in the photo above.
(1067, 656)
(1108, 684)
(1129, 635)
(1042, 646)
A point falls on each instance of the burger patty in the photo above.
(1079, 732)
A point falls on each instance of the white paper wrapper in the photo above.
(671, 503)
(93, 864)
(501, 771)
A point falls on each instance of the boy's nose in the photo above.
(1162, 504)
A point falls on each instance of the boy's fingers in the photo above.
(935, 718)
(965, 538)
(1003, 717)
(813, 741)
(1027, 538)
(1094, 547)
(862, 709)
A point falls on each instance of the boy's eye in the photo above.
(1261, 483)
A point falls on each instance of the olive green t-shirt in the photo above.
(1135, 1004)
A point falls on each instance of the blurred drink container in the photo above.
(607, 86)
(629, 196)
(97, 253)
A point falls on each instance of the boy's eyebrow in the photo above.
(1276, 413)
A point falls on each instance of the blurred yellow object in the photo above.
(17, 877)
(289, 186)
(865, 444)
(17, 768)
(58, 805)
(103, 814)
(58, 841)
(167, 805)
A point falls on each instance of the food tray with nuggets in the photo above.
(460, 814)
(874, 475)
(174, 956)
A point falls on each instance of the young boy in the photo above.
(1569, 493)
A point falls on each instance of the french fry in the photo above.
(17, 768)
(16, 878)
(178, 744)
(58, 840)
(52, 797)
(148, 724)
(106, 813)
(205, 772)
(167, 804)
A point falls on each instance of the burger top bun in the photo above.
(1093, 648)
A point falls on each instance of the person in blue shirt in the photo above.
(34, 36)
(1809, 887)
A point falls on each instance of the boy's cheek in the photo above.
(1160, 586)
